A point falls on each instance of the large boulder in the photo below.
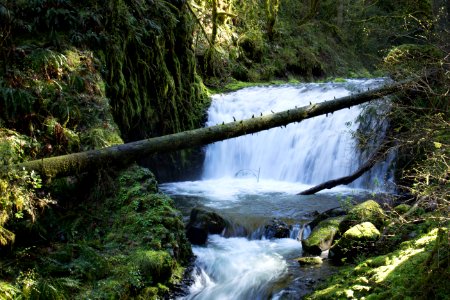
(322, 236)
(276, 229)
(202, 223)
(357, 240)
(368, 211)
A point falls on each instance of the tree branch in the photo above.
(379, 154)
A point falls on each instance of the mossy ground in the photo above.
(129, 243)
(419, 269)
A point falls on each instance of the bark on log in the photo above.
(124, 154)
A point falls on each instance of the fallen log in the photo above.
(122, 155)
(379, 154)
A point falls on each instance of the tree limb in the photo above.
(379, 154)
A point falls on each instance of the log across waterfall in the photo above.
(121, 155)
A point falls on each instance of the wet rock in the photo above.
(276, 229)
(357, 240)
(322, 236)
(309, 260)
(331, 213)
(202, 223)
(368, 211)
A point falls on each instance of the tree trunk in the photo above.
(122, 155)
(340, 14)
(214, 22)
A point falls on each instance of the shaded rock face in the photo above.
(277, 229)
(368, 211)
(331, 213)
(202, 223)
(322, 236)
(357, 240)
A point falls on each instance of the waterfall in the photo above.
(310, 152)
(255, 178)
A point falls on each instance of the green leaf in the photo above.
(437, 145)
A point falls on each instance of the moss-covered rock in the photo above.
(355, 241)
(402, 208)
(410, 272)
(309, 260)
(322, 236)
(331, 213)
(368, 211)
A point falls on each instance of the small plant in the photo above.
(19, 199)
(346, 203)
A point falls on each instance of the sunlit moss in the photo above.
(397, 275)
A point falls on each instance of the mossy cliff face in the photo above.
(138, 52)
(129, 243)
(151, 69)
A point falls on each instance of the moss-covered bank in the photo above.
(80, 75)
(127, 243)
(419, 269)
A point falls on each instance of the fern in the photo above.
(15, 103)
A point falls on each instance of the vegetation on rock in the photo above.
(417, 270)
(322, 236)
(130, 242)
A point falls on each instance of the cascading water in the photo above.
(255, 178)
(312, 152)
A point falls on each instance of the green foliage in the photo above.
(128, 242)
(152, 81)
(14, 103)
(18, 199)
(401, 61)
(404, 273)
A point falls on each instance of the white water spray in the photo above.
(309, 152)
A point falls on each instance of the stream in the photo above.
(253, 179)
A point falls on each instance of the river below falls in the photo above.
(245, 265)
(253, 179)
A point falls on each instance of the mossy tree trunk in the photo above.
(127, 153)
(272, 7)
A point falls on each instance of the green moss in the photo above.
(402, 208)
(363, 231)
(356, 241)
(100, 137)
(322, 235)
(401, 274)
(369, 211)
(127, 243)
(310, 260)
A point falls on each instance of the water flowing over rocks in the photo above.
(253, 180)
(276, 229)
